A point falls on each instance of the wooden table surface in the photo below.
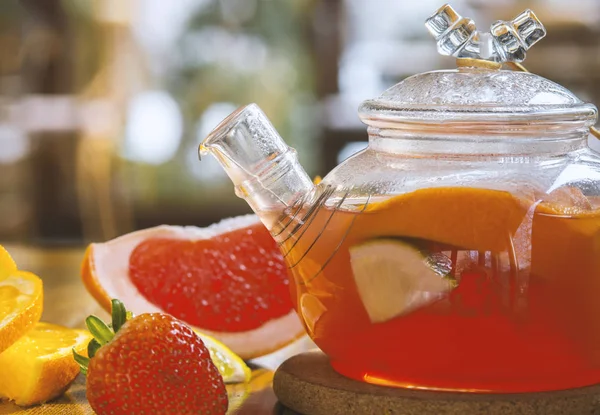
(66, 302)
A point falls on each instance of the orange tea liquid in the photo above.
(525, 315)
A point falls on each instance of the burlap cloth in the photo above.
(71, 403)
(255, 397)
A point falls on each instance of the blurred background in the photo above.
(103, 102)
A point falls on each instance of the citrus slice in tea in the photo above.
(228, 281)
(394, 277)
(40, 366)
(21, 304)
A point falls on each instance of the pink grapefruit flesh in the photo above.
(235, 281)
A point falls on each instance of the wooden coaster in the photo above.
(307, 384)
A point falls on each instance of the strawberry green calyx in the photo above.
(82, 361)
(93, 347)
(102, 332)
(98, 328)
(119, 315)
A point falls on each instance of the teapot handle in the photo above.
(519, 67)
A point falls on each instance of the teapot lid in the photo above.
(479, 90)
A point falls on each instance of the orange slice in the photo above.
(21, 303)
(7, 264)
(40, 365)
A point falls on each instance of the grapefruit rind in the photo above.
(105, 274)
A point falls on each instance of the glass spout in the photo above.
(263, 168)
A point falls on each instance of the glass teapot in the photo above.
(461, 249)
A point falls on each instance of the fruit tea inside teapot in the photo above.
(461, 249)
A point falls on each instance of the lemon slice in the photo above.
(7, 264)
(237, 393)
(21, 303)
(40, 365)
(231, 366)
(394, 277)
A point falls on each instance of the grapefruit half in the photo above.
(227, 280)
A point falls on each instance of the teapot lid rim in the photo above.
(580, 116)
(471, 94)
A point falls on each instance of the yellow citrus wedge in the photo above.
(21, 303)
(7, 264)
(40, 365)
(237, 393)
(230, 365)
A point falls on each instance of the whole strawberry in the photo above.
(150, 364)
